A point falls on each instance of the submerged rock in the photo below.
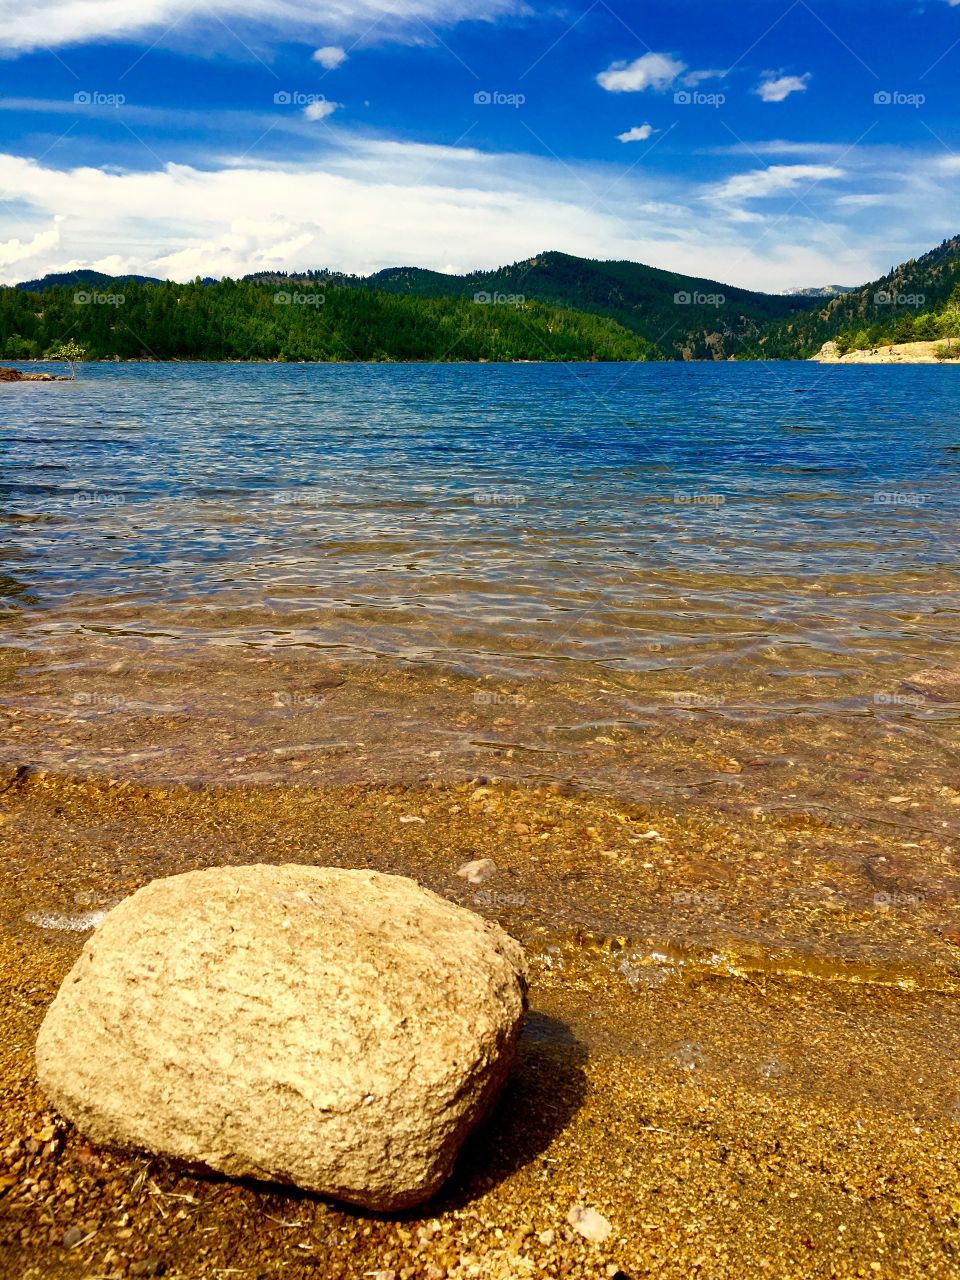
(339, 1030)
(938, 683)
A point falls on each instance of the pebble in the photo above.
(478, 872)
(588, 1223)
(72, 1237)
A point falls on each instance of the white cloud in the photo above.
(330, 56)
(761, 184)
(657, 71)
(460, 208)
(320, 110)
(694, 78)
(16, 251)
(864, 201)
(639, 133)
(779, 147)
(778, 88)
(46, 23)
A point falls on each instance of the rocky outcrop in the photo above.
(14, 375)
(339, 1030)
(891, 353)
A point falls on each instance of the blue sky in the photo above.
(768, 143)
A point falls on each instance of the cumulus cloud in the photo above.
(460, 208)
(639, 133)
(16, 251)
(330, 56)
(46, 23)
(657, 71)
(778, 88)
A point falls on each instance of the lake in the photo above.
(670, 651)
(512, 515)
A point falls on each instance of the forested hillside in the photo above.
(898, 307)
(257, 320)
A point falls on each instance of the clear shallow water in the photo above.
(612, 514)
(728, 577)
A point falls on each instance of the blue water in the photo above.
(588, 510)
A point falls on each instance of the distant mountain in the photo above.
(77, 279)
(820, 291)
(684, 317)
(919, 286)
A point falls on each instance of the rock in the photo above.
(938, 683)
(478, 872)
(14, 375)
(148, 1267)
(342, 1031)
(71, 1237)
(588, 1223)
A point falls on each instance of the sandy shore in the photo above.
(895, 353)
(744, 1043)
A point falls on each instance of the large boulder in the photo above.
(339, 1030)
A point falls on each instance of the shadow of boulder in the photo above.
(546, 1088)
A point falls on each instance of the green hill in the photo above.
(257, 320)
(84, 278)
(684, 317)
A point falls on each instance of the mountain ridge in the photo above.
(632, 311)
(679, 316)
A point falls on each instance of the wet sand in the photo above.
(742, 916)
